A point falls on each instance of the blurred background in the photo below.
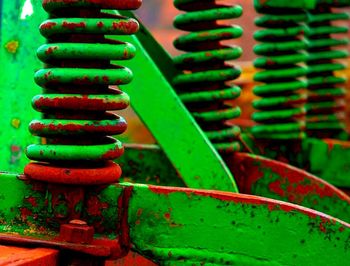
(158, 16)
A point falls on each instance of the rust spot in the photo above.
(51, 49)
(72, 26)
(48, 25)
(12, 46)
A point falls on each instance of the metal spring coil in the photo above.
(77, 97)
(281, 112)
(326, 92)
(205, 84)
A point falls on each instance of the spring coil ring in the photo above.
(281, 111)
(205, 83)
(77, 97)
(326, 92)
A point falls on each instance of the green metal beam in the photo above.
(194, 227)
(171, 124)
(255, 175)
(175, 226)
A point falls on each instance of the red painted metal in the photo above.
(103, 4)
(16, 256)
(132, 259)
(76, 103)
(293, 184)
(79, 175)
(97, 248)
(77, 231)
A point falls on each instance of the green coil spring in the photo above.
(78, 93)
(326, 92)
(205, 83)
(281, 104)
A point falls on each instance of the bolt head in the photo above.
(77, 231)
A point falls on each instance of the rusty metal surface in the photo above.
(194, 227)
(256, 175)
(325, 158)
(16, 256)
(259, 176)
(89, 224)
(173, 225)
(75, 150)
(321, 49)
(78, 99)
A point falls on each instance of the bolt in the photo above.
(77, 231)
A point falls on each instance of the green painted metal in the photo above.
(277, 180)
(101, 151)
(325, 158)
(19, 21)
(205, 83)
(12, 196)
(280, 107)
(48, 52)
(77, 93)
(326, 94)
(148, 164)
(328, 159)
(324, 105)
(307, 4)
(177, 133)
(172, 225)
(255, 175)
(189, 227)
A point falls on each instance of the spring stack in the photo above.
(281, 106)
(77, 97)
(326, 92)
(205, 84)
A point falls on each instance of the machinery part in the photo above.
(168, 225)
(255, 175)
(12, 256)
(77, 97)
(243, 229)
(326, 92)
(281, 112)
(189, 148)
(277, 180)
(205, 84)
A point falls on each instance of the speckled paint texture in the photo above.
(19, 39)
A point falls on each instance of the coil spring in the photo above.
(77, 97)
(326, 93)
(281, 112)
(204, 86)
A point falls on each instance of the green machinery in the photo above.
(70, 197)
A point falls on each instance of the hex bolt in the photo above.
(77, 231)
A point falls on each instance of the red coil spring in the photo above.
(77, 97)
